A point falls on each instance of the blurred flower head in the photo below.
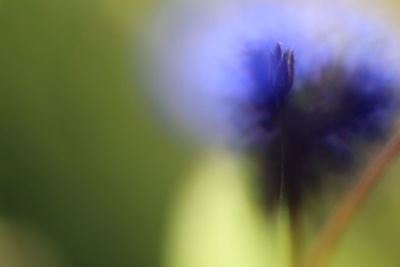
(299, 87)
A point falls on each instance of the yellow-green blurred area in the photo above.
(89, 177)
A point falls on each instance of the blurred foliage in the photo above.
(82, 160)
(85, 163)
(217, 221)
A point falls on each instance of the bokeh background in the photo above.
(89, 177)
(83, 165)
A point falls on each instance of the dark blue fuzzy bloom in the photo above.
(300, 89)
(313, 130)
(273, 73)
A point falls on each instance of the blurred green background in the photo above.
(82, 162)
(87, 173)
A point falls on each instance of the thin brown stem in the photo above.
(332, 233)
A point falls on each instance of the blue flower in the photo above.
(314, 129)
(298, 88)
